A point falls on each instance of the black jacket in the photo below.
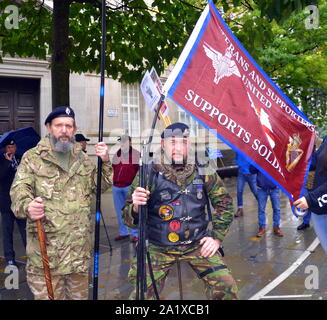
(317, 197)
(7, 175)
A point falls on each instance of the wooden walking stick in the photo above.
(45, 259)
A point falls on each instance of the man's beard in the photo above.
(62, 146)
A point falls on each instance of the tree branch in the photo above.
(247, 5)
(190, 5)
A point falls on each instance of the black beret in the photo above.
(64, 111)
(8, 142)
(176, 129)
(79, 137)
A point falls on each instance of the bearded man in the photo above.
(55, 182)
(178, 197)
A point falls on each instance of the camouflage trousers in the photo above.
(73, 286)
(218, 281)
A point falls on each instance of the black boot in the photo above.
(303, 226)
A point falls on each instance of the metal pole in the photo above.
(98, 193)
(141, 247)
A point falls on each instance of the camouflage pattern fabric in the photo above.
(65, 287)
(67, 197)
(219, 285)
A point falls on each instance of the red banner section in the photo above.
(223, 88)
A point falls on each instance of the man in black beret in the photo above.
(9, 162)
(178, 199)
(55, 183)
(82, 140)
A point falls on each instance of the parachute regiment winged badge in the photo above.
(223, 64)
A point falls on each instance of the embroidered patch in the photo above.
(166, 212)
(174, 225)
(165, 195)
(197, 181)
(199, 192)
(173, 237)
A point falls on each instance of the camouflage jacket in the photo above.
(67, 198)
(222, 215)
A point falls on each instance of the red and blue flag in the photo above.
(220, 85)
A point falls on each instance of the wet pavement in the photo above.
(264, 268)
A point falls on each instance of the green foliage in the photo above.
(273, 31)
(295, 57)
(137, 38)
(33, 36)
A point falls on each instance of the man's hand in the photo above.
(36, 209)
(301, 203)
(140, 198)
(9, 156)
(101, 150)
(209, 246)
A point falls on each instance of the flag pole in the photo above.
(98, 191)
(142, 213)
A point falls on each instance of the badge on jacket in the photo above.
(166, 212)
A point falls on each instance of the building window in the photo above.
(187, 119)
(131, 109)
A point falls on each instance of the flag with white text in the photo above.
(218, 83)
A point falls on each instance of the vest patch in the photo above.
(165, 195)
(174, 225)
(198, 181)
(166, 212)
(173, 237)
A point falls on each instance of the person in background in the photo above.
(244, 175)
(265, 188)
(9, 162)
(82, 140)
(316, 199)
(311, 175)
(125, 165)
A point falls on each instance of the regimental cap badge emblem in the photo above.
(293, 152)
(67, 111)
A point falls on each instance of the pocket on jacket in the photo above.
(45, 183)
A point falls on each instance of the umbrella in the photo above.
(25, 138)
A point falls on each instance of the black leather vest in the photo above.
(177, 216)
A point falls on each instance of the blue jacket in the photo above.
(262, 181)
(243, 164)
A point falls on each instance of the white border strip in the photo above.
(186, 51)
(259, 295)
